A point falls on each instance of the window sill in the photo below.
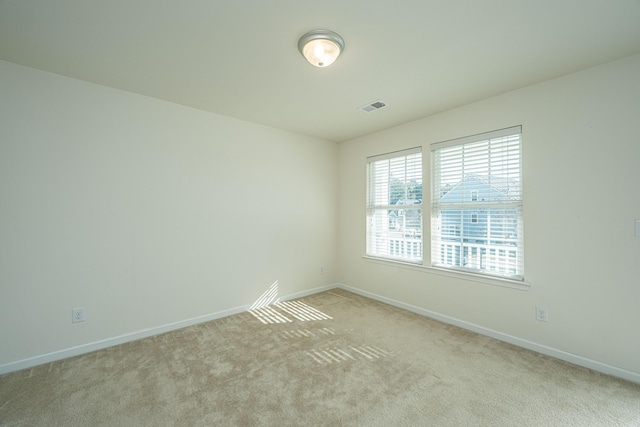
(490, 280)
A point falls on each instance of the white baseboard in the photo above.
(543, 349)
(133, 336)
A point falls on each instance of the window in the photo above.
(476, 204)
(394, 206)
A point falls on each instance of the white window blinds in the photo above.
(476, 204)
(394, 205)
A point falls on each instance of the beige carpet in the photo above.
(330, 359)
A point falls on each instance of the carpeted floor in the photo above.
(330, 359)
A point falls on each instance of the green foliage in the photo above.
(396, 190)
(399, 190)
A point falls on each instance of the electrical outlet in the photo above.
(541, 314)
(322, 269)
(77, 315)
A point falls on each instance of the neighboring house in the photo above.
(466, 229)
(405, 230)
(474, 234)
(409, 221)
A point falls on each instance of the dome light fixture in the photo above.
(321, 47)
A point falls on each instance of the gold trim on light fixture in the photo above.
(321, 47)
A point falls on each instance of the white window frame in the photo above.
(482, 254)
(394, 230)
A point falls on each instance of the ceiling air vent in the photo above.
(376, 105)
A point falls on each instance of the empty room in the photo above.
(344, 213)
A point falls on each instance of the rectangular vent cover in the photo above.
(376, 105)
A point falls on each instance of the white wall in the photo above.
(581, 154)
(146, 213)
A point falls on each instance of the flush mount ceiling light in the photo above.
(321, 47)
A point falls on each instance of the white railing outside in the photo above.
(498, 259)
(495, 258)
(405, 247)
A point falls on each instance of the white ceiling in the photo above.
(240, 58)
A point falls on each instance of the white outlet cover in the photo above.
(77, 315)
(541, 314)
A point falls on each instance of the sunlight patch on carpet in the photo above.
(371, 352)
(337, 355)
(300, 333)
(268, 315)
(305, 333)
(329, 355)
(302, 311)
(279, 312)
